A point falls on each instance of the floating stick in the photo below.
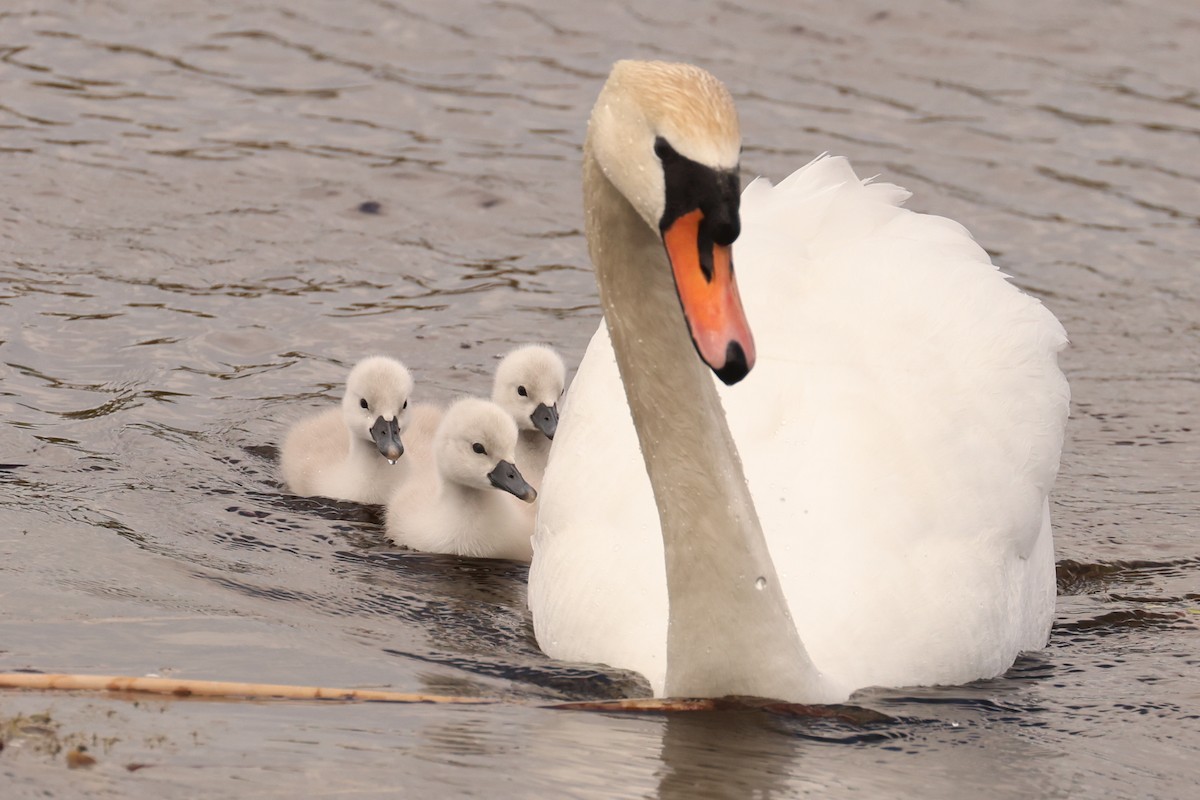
(179, 687)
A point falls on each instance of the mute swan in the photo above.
(461, 507)
(351, 452)
(887, 520)
(529, 382)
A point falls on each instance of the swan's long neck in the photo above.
(729, 630)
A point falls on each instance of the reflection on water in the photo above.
(210, 212)
(721, 755)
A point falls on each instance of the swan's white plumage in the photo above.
(900, 434)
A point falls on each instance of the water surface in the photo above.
(187, 264)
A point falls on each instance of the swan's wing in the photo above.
(900, 432)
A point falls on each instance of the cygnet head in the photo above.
(375, 402)
(528, 385)
(476, 445)
(666, 136)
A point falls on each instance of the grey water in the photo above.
(208, 211)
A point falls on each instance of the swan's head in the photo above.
(476, 446)
(529, 383)
(667, 137)
(375, 401)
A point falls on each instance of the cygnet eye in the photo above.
(478, 448)
(404, 406)
(521, 391)
(363, 403)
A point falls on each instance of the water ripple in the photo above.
(214, 210)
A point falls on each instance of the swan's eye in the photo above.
(664, 151)
(478, 448)
(363, 403)
(404, 406)
(521, 391)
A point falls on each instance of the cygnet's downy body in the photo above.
(528, 385)
(463, 506)
(353, 452)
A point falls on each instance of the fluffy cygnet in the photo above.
(462, 506)
(529, 382)
(353, 452)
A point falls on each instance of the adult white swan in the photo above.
(887, 521)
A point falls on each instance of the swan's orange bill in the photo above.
(711, 303)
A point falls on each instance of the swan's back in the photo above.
(900, 434)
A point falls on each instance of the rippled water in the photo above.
(210, 209)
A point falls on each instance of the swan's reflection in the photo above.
(723, 755)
